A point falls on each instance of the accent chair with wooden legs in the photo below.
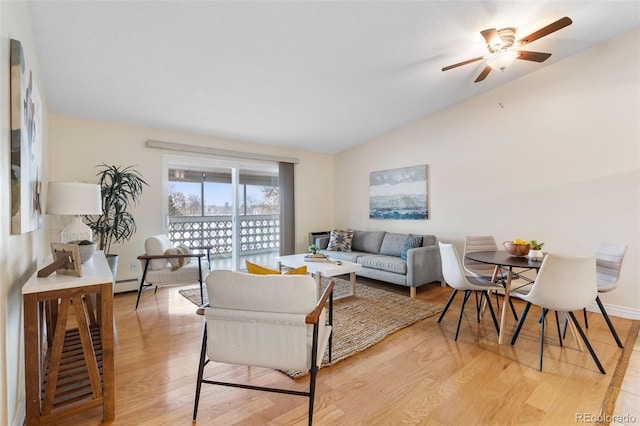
(271, 321)
(164, 264)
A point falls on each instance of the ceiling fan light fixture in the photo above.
(502, 60)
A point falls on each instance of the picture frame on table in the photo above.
(66, 261)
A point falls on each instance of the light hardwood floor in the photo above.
(418, 375)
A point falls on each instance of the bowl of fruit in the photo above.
(517, 247)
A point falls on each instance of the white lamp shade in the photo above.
(73, 198)
(502, 60)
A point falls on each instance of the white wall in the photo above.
(559, 163)
(19, 254)
(78, 145)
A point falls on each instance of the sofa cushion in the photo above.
(349, 256)
(392, 244)
(367, 241)
(340, 240)
(384, 263)
(411, 242)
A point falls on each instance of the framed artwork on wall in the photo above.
(26, 145)
(398, 193)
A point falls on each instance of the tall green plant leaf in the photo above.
(121, 188)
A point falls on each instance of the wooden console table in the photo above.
(69, 365)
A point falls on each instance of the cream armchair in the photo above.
(164, 264)
(272, 321)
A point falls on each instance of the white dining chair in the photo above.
(608, 264)
(476, 243)
(563, 284)
(455, 277)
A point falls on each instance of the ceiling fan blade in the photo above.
(553, 27)
(491, 36)
(459, 64)
(533, 56)
(485, 72)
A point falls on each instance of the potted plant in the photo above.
(121, 187)
(536, 250)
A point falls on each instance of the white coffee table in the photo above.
(322, 269)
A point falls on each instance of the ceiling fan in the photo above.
(503, 49)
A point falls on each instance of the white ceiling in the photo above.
(314, 75)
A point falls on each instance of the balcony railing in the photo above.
(257, 233)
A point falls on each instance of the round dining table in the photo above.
(502, 259)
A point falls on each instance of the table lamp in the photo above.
(77, 199)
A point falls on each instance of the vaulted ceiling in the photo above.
(321, 76)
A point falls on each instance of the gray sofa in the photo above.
(379, 254)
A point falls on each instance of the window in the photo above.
(208, 205)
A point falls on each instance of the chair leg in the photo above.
(586, 342)
(478, 306)
(144, 275)
(542, 321)
(446, 307)
(558, 325)
(200, 279)
(203, 356)
(330, 324)
(523, 316)
(493, 315)
(467, 293)
(312, 391)
(513, 310)
(586, 322)
(313, 372)
(606, 318)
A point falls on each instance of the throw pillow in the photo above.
(302, 270)
(176, 262)
(185, 250)
(340, 240)
(412, 241)
(253, 268)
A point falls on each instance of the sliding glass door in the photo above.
(232, 207)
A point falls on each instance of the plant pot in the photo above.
(112, 260)
(86, 248)
(535, 255)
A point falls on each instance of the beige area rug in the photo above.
(362, 321)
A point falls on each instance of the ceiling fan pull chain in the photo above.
(501, 97)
